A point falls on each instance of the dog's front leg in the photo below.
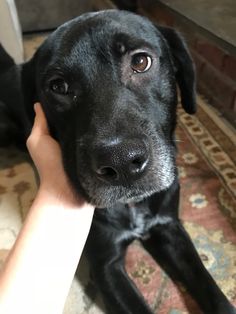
(172, 248)
(106, 258)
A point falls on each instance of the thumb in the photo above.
(40, 123)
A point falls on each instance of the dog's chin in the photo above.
(131, 199)
(108, 203)
(107, 198)
(103, 202)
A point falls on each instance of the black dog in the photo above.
(107, 83)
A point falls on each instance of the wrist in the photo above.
(60, 194)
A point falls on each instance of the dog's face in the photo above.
(107, 83)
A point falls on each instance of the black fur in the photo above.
(116, 130)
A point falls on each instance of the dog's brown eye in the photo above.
(59, 86)
(141, 62)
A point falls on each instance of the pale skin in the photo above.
(38, 273)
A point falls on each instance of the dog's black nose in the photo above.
(120, 161)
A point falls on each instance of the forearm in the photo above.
(44, 258)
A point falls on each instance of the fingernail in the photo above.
(35, 106)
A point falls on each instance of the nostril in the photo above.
(138, 164)
(107, 173)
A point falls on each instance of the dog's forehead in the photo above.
(76, 46)
(101, 28)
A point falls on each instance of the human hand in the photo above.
(47, 157)
(57, 219)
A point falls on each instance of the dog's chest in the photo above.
(129, 222)
(139, 220)
(134, 221)
(142, 220)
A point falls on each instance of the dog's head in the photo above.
(107, 83)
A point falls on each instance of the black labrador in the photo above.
(107, 83)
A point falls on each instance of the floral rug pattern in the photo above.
(207, 171)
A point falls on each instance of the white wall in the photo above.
(10, 30)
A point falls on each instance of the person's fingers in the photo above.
(40, 123)
(39, 128)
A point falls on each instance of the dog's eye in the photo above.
(59, 86)
(141, 62)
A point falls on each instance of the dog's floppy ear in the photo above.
(6, 61)
(28, 82)
(16, 90)
(185, 70)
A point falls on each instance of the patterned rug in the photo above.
(207, 170)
